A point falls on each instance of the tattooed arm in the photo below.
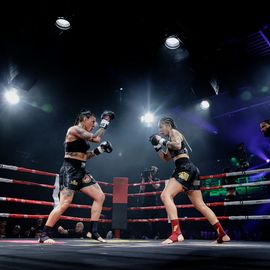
(85, 135)
(98, 134)
(90, 154)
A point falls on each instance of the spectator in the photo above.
(77, 232)
(3, 232)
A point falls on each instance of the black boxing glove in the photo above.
(155, 142)
(106, 118)
(105, 146)
(154, 139)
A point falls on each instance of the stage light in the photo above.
(204, 105)
(62, 23)
(172, 42)
(147, 118)
(11, 96)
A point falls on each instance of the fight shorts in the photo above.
(73, 175)
(187, 174)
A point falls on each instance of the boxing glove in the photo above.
(105, 146)
(106, 118)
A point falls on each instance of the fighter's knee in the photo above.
(164, 196)
(64, 206)
(103, 197)
(100, 197)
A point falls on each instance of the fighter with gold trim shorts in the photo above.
(186, 173)
(74, 176)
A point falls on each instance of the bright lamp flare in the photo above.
(147, 118)
(12, 97)
(205, 105)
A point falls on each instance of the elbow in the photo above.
(96, 139)
(178, 147)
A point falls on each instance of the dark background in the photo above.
(113, 46)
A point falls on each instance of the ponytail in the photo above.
(81, 114)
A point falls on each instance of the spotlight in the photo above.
(268, 160)
(12, 97)
(205, 105)
(62, 23)
(172, 42)
(147, 118)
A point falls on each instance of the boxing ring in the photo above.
(126, 253)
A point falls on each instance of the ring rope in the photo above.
(22, 169)
(21, 182)
(26, 216)
(224, 175)
(147, 183)
(8, 199)
(145, 194)
(8, 215)
(213, 204)
(205, 188)
(105, 184)
(205, 177)
(201, 218)
(259, 183)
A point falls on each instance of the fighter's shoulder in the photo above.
(71, 129)
(74, 130)
(177, 134)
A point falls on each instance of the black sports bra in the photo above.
(79, 145)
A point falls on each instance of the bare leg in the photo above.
(197, 200)
(66, 197)
(167, 196)
(98, 196)
(166, 183)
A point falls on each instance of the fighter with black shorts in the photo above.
(183, 179)
(73, 175)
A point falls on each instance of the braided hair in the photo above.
(168, 120)
(267, 121)
(82, 113)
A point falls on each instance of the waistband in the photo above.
(74, 161)
(181, 161)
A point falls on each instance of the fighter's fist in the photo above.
(157, 141)
(106, 117)
(154, 139)
(106, 146)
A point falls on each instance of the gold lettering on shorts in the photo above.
(74, 182)
(183, 175)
